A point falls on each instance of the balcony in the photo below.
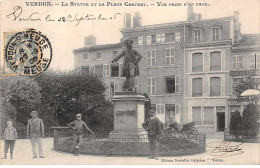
(197, 69)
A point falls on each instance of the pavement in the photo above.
(217, 153)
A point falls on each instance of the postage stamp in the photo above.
(27, 53)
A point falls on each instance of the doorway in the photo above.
(220, 121)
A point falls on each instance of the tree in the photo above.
(22, 94)
(250, 116)
(248, 83)
(65, 94)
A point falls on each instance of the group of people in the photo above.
(35, 131)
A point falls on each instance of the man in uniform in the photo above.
(130, 64)
(153, 126)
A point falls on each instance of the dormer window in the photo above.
(215, 33)
(85, 57)
(197, 35)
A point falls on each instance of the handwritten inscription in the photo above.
(17, 15)
(222, 149)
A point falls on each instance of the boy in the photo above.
(10, 136)
(78, 126)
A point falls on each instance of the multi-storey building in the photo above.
(185, 68)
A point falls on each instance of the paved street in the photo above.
(23, 155)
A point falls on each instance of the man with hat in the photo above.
(35, 131)
(78, 127)
(130, 64)
(153, 126)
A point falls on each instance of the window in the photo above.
(160, 38)
(215, 34)
(114, 70)
(98, 56)
(177, 36)
(197, 62)
(85, 69)
(151, 57)
(105, 70)
(169, 56)
(148, 40)
(197, 35)
(170, 37)
(237, 61)
(114, 54)
(85, 57)
(215, 86)
(169, 113)
(135, 40)
(160, 108)
(209, 117)
(92, 69)
(215, 61)
(151, 85)
(94, 55)
(173, 84)
(196, 115)
(114, 87)
(197, 87)
(153, 107)
(99, 70)
(254, 61)
(153, 39)
(140, 40)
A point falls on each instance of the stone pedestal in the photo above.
(129, 115)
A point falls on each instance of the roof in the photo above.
(175, 24)
(248, 40)
(98, 47)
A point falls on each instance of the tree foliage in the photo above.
(248, 83)
(20, 95)
(65, 94)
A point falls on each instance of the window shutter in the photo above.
(177, 83)
(148, 40)
(158, 38)
(177, 108)
(162, 38)
(140, 40)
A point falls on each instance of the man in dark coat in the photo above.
(130, 65)
(153, 126)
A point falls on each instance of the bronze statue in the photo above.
(130, 65)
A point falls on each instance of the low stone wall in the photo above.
(168, 146)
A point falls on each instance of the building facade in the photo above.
(185, 68)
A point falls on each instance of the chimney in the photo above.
(189, 13)
(127, 20)
(199, 16)
(237, 33)
(90, 40)
(137, 20)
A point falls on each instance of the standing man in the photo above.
(78, 127)
(153, 126)
(130, 65)
(35, 131)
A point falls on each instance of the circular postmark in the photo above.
(28, 52)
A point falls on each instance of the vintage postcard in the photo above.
(114, 82)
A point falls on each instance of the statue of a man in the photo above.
(130, 65)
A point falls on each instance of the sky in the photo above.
(65, 37)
